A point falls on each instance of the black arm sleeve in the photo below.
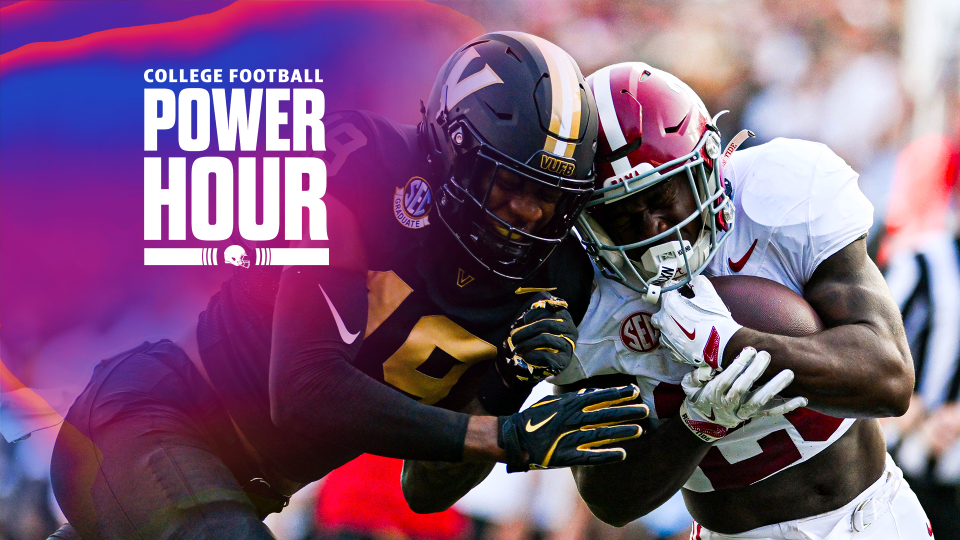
(315, 392)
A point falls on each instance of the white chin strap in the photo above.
(664, 263)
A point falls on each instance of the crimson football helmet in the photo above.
(654, 128)
(509, 105)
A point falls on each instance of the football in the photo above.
(767, 306)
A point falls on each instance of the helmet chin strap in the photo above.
(665, 262)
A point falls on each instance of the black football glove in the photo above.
(540, 344)
(571, 429)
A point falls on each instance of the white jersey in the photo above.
(797, 203)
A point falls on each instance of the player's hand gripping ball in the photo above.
(697, 329)
(716, 403)
(540, 344)
(571, 429)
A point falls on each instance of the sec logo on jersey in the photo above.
(638, 334)
(412, 203)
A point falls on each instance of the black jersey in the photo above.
(434, 321)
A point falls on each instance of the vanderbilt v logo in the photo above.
(457, 89)
(462, 278)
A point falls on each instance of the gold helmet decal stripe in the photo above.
(556, 97)
(575, 124)
(565, 97)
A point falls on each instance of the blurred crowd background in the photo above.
(876, 80)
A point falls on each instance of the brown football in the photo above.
(767, 306)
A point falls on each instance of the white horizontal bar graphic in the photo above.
(180, 256)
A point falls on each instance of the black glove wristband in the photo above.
(509, 440)
(496, 397)
(500, 422)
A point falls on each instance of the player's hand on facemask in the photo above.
(697, 329)
(719, 401)
(571, 429)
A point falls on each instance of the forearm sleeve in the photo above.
(318, 327)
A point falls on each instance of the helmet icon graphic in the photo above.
(236, 256)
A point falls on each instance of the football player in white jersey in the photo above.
(664, 214)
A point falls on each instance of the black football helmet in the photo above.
(509, 104)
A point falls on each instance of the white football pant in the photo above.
(888, 509)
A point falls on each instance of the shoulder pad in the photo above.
(789, 181)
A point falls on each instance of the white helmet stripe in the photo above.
(608, 117)
(621, 166)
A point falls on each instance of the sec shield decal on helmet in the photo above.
(654, 129)
(512, 110)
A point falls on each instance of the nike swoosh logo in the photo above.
(533, 427)
(711, 416)
(345, 334)
(691, 335)
(738, 266)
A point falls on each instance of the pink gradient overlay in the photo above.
(73, 286)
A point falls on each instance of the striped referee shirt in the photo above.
(926, 286)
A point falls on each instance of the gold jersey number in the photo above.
(436, 353)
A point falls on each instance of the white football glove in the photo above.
(717, 402)
(696, 329)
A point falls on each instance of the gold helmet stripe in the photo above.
(565, 97)
(556, 97)
(575, 121)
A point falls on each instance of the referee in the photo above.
(925, 442)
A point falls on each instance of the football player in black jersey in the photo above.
(439, 292)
